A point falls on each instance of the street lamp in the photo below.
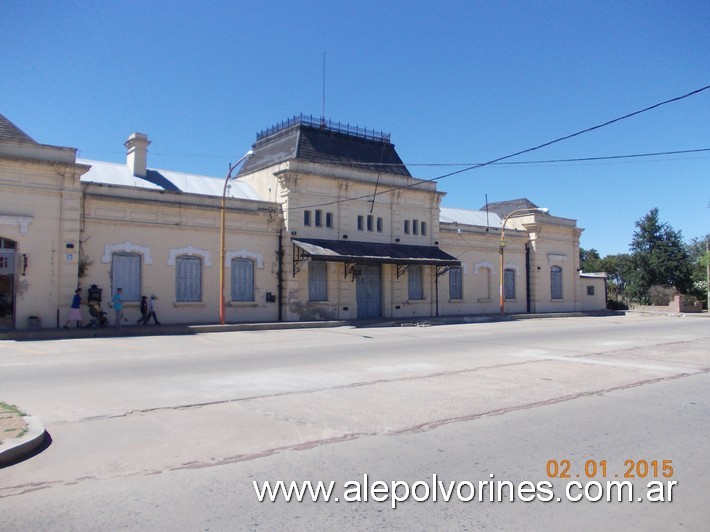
(232, 167)
(502, 243)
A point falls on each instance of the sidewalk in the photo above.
(187, 328)
(19, 434)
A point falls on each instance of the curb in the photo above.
(16, 448)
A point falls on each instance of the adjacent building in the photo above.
(323, 221)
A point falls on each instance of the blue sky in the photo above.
(453, 82)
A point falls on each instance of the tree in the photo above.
(590, 260)
(659, 257)
(619, 271)
(700, 260)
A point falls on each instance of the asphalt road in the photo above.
(170, 433)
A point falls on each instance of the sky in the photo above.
(456, 83)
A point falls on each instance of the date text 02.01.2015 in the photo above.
(598, 468)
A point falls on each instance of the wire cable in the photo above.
(419, 182)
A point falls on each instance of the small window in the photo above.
(455, 283)
(188, 278)
(590, 290)
(317, 281)
(415, 281)
(379, 224)
(423, 227)
(406, 227)
(415, 227)
(242, 279)
(556, 282)
(329, 219)
(319, 218)
(369, 222)
(306, 217)
(509, 284)
(360, 223)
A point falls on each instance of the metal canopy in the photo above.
(352, 253)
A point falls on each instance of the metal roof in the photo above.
(9, 131)
(342, 146)
(120, 174)
(469, 217)
(374, 252)
(504, 208)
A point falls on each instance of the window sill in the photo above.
(197, 304)
(484, 300)
(242, 304)
(456, 300)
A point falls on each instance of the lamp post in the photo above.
(501, 247)
(232, 167)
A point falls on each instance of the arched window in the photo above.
(188, 278)
(556, 282)
(242, 279)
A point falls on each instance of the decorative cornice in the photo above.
(22, 222)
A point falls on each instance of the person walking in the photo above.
(144, 311)
(118, 307)
(151, 310)
(75, 310)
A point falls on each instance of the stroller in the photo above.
(99, 318)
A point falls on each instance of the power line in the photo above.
(546, 161)
(510, 156)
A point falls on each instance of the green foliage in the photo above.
(590, 261)
(659, 257)
(619, 270)
(700, 259)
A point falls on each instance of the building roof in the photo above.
(504, 208)
(9, 131)
(469, 217)
(120, 174)
(374, 252)
(308, 139)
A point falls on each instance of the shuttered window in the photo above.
(242, 279)
(414, 280)
(455, 283)
(317, 281)
(126, 274)
(556, 282)
(509, 284)
(188, 278)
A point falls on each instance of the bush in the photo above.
(660, 296)
(613, 304)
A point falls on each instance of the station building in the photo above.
(322, 222)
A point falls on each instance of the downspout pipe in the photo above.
(527, 277)
(280, 280)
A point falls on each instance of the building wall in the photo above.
(39, 210)
(161, 226)
(308, 187)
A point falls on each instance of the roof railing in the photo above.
(338, 127)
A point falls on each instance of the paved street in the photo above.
(170, 433)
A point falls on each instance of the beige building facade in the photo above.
(322, 222)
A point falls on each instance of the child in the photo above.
(151, 310)
(144, 311)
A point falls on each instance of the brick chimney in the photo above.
(137, 153)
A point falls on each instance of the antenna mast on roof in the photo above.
(322, 116)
